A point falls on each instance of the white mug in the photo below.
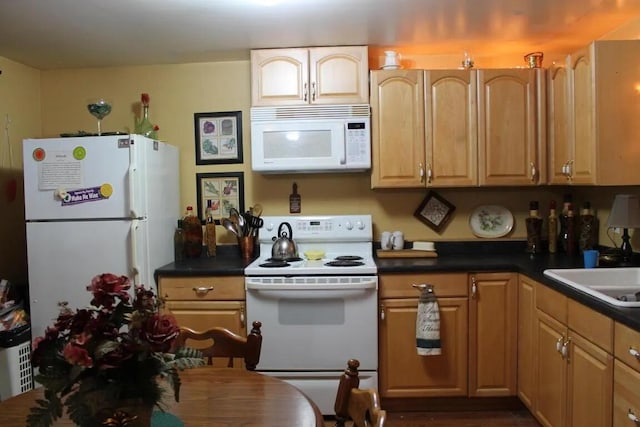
(386, 241)
(391, 58)
(397, 240)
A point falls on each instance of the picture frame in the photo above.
(222, 191)
(218, 137)
(435, 211)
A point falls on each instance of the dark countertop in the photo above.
(452, 256)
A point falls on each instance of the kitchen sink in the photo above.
(617, 286)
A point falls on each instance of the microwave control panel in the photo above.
(358, 142)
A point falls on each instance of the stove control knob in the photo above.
(359, 225)
(270, 226)
(348, 225)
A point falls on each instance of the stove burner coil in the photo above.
(292, 259)
(348, 258)
(275, 264)
(344, 263)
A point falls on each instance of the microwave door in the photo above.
(299, 145)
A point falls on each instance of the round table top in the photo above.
(211, 397)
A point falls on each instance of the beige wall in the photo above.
(179, 91)
(20, 105)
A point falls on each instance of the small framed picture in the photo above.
(220, 192)
(435, 211)
(218, 137)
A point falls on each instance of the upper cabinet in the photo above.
(595, 95)
(457, 128)
(319, 75)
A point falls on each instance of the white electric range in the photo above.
(317, 314)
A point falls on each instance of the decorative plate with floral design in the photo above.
(491, 221)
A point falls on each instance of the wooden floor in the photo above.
(506, 418)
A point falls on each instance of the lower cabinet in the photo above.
(626, 374)
(477, 333)
(574, 368)
(200, 303)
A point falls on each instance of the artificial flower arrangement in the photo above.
(93, 358)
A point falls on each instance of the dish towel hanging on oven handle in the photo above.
(428, 322)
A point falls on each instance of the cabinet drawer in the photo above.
(202, 288)
(444, 284)
(592, 325)
(552, 303)
(627, 343)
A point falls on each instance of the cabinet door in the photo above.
(626, 395)
(508, 141)
(397, 124)
(405, 374)
(583, 130)
(590, 383)
(279, 77)
(526, 341)
(493, 334)
(451, 128)
(561, 159)
(339, 75)
(202, 315)
(551, 372)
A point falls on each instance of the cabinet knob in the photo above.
(313, 91)
(202, 290)
(421, 172)
(381, 311)
(534, 172)
(305, 93)
(429, 174)
(635, 353)
(633, 417)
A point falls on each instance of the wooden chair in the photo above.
(226, 344)
(362, 406)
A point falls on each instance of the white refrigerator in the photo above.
(101, 204)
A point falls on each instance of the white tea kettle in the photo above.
(284, 247)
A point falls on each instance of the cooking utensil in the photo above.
(226, 223)
(284, 247)
(234, 217)
(257, 209)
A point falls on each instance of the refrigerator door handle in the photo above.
(132, 180)
(135, 270)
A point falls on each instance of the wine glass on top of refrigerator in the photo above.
(99, 108)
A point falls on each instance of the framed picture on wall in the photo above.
(221, 192)
(435, 211)
(218, 137)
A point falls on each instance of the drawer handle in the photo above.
(559, 344)
(201, 290)
(633, 417)
(635, 353)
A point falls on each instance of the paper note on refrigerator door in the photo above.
(59, 170)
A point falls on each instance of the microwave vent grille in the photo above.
(311, 112)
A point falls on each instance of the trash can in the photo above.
(15, 361)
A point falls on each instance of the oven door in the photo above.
(315, 324)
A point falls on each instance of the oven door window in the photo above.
(311, 311)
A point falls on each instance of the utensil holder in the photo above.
(247, 246)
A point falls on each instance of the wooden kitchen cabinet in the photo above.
(402, 372)
(493, 334)
(526, 388)
(457, 128)
(626, 387)
(397, 129)
(200, 303)
(574, 363)
(511, 148)
(318, 75)
(600, 146)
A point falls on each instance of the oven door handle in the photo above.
(311, 286)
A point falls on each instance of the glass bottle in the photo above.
(563, 221)
(192, 234)
(588, 228)
(569, 235)
(552, 228)
(534, 229)
(144, 125)
(178, 243)
(210, 231)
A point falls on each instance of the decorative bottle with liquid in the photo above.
(552, 228)
(568, 234)
(587, 228)
(534, 229)
(192, 234)
(563, 220)
(210, 231)
(178, 242)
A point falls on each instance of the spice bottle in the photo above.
(192, 234)
(588, 228)
(210, 231)
(178, 243)
(534, 229)
(552, 228)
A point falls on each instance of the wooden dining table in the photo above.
(211, 397)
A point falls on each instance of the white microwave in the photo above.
(313, 138)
